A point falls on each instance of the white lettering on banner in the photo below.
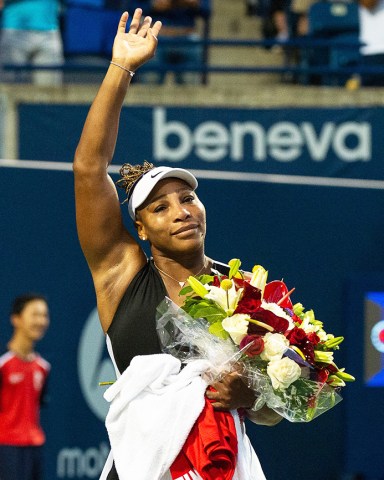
(318, 146)
(212, 141)
(363, 147)
(285, 141)
(257, 134)
(77, 463)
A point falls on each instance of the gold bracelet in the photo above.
(123, 68)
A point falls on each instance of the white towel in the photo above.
(248, 465)
(153, 406)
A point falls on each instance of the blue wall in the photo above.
(317, 237)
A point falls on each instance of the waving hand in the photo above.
(135, 47)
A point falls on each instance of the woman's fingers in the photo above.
(122, 23)
(145, 26)
(137, 28)
(156, 28)
(135, 23)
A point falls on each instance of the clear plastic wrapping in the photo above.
(188, 339)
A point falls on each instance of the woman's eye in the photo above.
(189, 198)
(159, 208)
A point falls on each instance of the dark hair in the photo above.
(21, 301)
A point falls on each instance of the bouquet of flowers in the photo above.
(242, 321)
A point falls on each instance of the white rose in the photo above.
(275, 344)
(236, 326)
(283, 372)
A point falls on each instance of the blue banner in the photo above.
(321, 142)
(314, 236)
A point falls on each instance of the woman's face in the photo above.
(172, 218)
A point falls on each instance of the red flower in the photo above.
(309, 352)
(296, 336)
(322, 375)
(257, 345)
(248, 305)
(250, 299)
(313, 338)
(274, 291)
(216, 281)
(279, 324)
(296, 319)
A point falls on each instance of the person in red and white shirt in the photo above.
(23, 380)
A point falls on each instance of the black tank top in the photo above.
(133, 328)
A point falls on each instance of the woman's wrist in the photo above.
(130, 72)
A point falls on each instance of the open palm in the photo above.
(135, 47)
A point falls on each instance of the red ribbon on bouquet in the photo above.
(210, 449)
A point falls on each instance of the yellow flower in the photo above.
(226, 284)
(234, 265)
(259, 277)
(197, 286)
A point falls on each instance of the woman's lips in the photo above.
(186, 228)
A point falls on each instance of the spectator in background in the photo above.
(299, 12)
(179, 20)
(279, 15)
(291, 18)
(372, 36)
(31, 36)
(23, 376)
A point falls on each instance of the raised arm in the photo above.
(107, 245)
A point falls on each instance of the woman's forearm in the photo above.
(98, 139)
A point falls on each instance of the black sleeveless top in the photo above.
(133, 328)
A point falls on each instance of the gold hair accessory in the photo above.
(130, 174)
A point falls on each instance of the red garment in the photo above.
(21, 387)
(182, 468)
(211, 447)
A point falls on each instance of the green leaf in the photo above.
(205, 309)
(211, 313)
(196, 307)
(204, 279)
(217, 330)
(185, 290)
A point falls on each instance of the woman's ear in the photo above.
(140, 230)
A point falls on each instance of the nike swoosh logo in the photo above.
(155, 175)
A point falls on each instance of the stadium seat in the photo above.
(328, 18)
(337, 24)
(89, 31)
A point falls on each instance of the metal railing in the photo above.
(304, 68)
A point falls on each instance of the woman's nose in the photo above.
(182, 212)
